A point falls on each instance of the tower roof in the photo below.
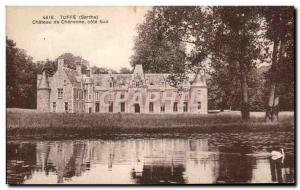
(44, 83)
(199, 79)
(138, 72)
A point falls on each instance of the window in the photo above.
(152, 96)
(175, 107)
(66, 106)
(90, 96)
(54, 107)
(111, 84)
(97, 105)
(199, 105)
(60, 93)
(85, 94)
(122, 96)
(137, 84)
(185, 107)
(151, 107)
(122, 106)
(65, 82)
(162, 108)
(76, 94)
(111, 107)
(97, 95)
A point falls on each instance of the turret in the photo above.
(199, 91)
(199, 79)
(138, 71)
(43, 93)
(138, 77)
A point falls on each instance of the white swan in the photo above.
(274, 154)
(277, 154)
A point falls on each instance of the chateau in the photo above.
(68, 90)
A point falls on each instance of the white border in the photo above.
(5, 3)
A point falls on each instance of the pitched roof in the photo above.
(72, 76)
(44, 83)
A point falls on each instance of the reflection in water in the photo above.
(202, 158)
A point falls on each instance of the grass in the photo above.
(30, 123)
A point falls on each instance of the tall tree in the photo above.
(11, 68)
(21, 77)
(237, 42)
(280, 22)
(156, 49)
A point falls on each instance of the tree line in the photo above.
(247, 52)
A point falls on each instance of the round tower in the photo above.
(43, 93)
(199, 91)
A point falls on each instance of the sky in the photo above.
(104, 45)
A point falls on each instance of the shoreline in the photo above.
(57, 133)
(30, 124)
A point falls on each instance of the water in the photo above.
(189, 159)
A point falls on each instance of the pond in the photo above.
(165, 159)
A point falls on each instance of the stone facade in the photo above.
(68, 90)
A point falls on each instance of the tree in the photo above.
(102, 70)
(125, 70)
(236, 41)
(21, 77)
(11, 67)
(71, 60)
(280, 22)
(157, 52)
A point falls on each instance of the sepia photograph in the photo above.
(150, 95)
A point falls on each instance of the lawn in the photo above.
(47, 125)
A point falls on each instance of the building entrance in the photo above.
(136, 108)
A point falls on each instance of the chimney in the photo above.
(60, 64)
(78, 68)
